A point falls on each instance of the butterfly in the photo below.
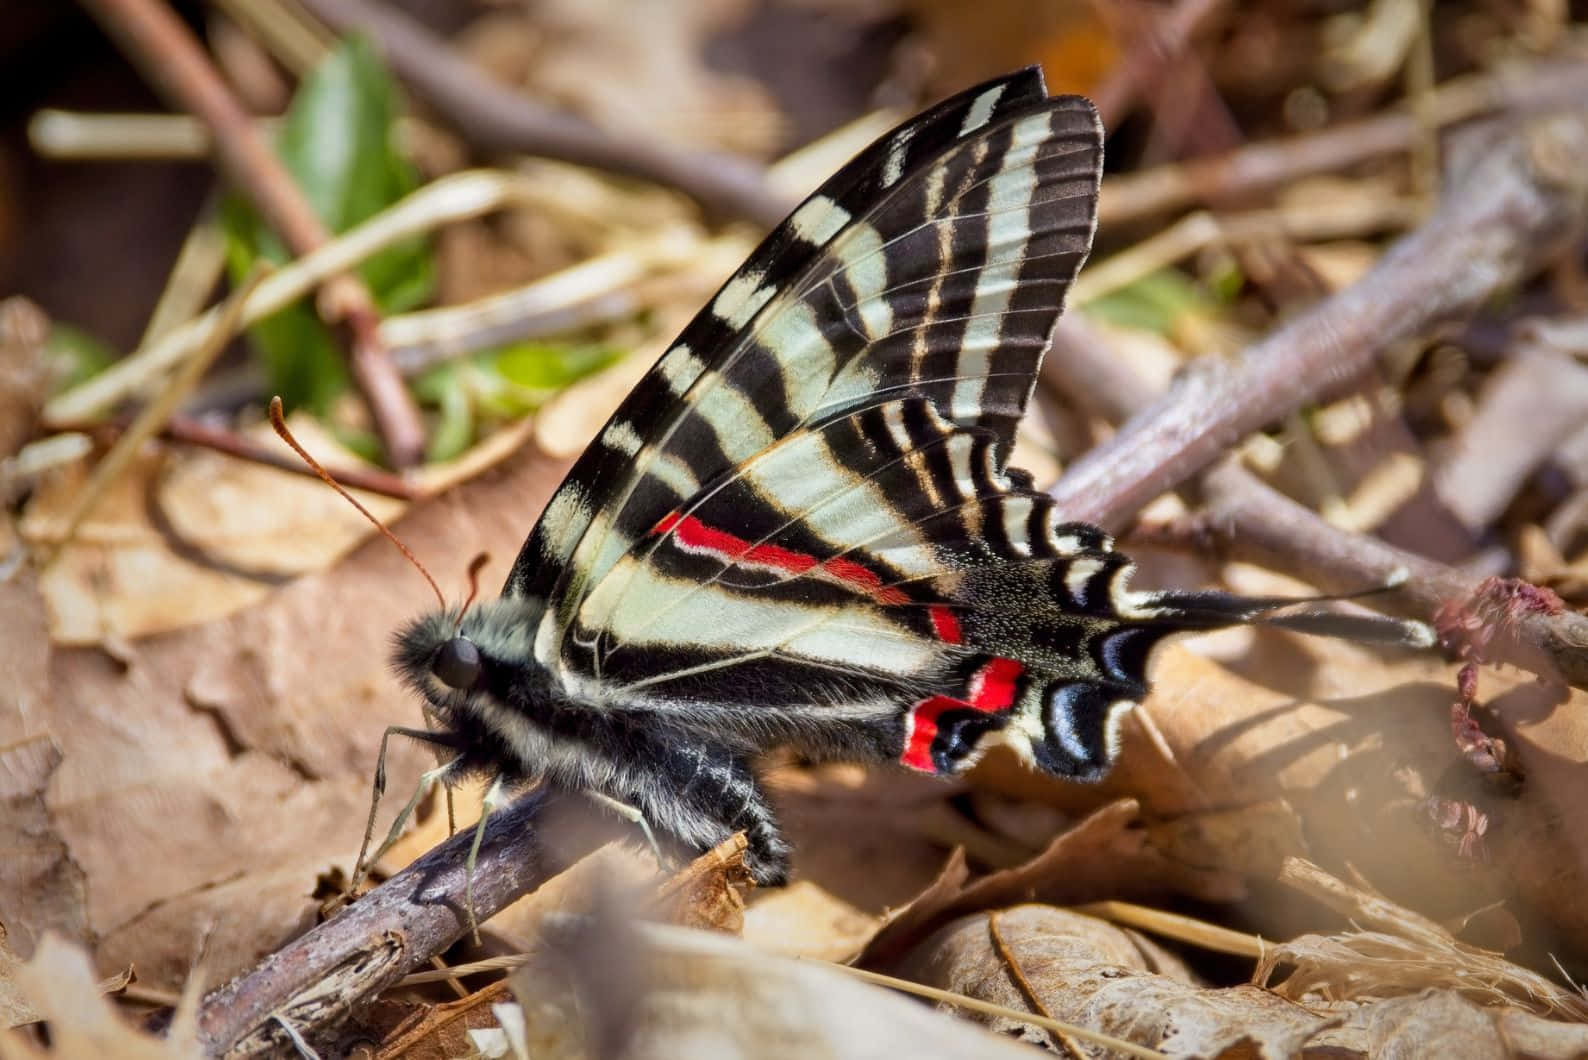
(801, 529)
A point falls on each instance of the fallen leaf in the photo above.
(185, 536)
(1081, 970)
(41, 887)
(1107, 855)
(1440, 1023)
(448, 1029)
(59, 983)
(1395, 953)
(15, 1010)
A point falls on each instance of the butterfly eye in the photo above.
(457, 664)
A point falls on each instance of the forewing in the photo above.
(932, 265)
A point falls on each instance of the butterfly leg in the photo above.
(493, 799)
(632, 814)
(426, 781)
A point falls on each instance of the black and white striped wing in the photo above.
(803, 504)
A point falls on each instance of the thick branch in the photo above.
(492, 118)
(1508, 214)
(172, 61)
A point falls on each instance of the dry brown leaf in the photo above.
(448, 1030)
(708, 893)
(1107, 855)
(41, 886)
(24, 645)
(872, 838)
(15, 1010)
(605, 989)
(1251, 840)
(1397, 952)
(1439, 1023)
(60, 984)
(805, 919)
(1081, 970)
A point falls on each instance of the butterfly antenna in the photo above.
(475, 566)
(279, 422)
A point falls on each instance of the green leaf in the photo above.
(76, 355)
(1152, 303)
(501, 384)
(337, 140)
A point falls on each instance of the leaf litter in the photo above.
(183, 764)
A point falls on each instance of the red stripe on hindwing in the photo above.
(945, 624)
(992, 691)
(696, 536)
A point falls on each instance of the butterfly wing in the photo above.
(790, 508)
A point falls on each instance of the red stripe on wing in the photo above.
(992, 690)
(946, 625)
(696, 536)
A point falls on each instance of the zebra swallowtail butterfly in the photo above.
(801, 530)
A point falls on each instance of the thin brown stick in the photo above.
(1509, 215)
(1522, 91)
(494, 118)
(208, 436)
(1155, 48)
(1254, 522)
(174, 63)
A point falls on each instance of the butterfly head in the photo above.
(454, 660)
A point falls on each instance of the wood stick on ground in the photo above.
(1157, 47)
(189, 431)
(1509, 214)
(316, 980)
(1259, 167)
(174, 63)
(494, 118)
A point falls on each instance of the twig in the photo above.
(494, 118)
(188, 431)
(173, 62)
(317, 979)
(1507, 216)
(1490, 458)
(1158, 45)
(1243, 518)
(1528, 90)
